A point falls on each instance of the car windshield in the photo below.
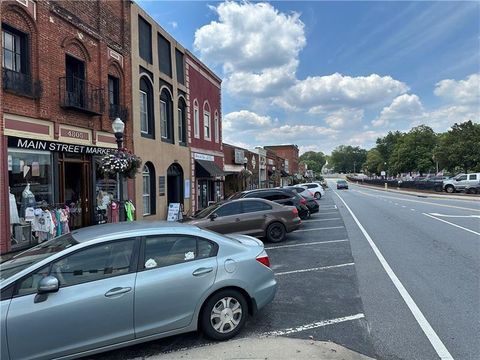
(341, 182)
(34, 255)
(207, 211)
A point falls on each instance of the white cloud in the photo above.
(344, 117)
(403, 109)
(337, 91)
(257, 46)
(245, 120)
(460, 92)
(173, 24)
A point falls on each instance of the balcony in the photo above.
(119, 111)
(21, 84)
(77, 94)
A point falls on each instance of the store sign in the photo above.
(161, 185)
(44, 145)
(254, 163)
(239, 156)
(205, 157)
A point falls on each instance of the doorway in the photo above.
(175, 184)
(75, 189)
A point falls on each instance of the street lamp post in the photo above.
(118, 127)
(245, 161)
(273, 174)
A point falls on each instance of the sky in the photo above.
(322, 74)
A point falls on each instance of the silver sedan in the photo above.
(115, 285)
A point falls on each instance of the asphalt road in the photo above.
(427, 263)
(317, 298)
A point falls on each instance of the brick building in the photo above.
(66, 74)
(289, 153)
(204, 133)
(237, 160)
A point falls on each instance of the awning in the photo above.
(233, 169)
(206, 168)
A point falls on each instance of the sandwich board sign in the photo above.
(174, 212)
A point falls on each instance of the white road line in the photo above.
(305, 244)
(412, 209)
(316, 220)
(448, 222)
(455, 216)
(313, 269)
(313, 325)
(322, 228)
(421, 320)
(403, 206)
(327, 213)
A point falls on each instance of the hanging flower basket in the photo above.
(245, 174)
(120, 162)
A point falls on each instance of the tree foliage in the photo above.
(314, 160)
(347, 159)
(374, 163)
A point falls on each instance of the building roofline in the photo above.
(205, 67)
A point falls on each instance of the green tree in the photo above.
(459, 148)
(374, 163)
(314, 160)
(347, 159)
(386, 146)
(414, 151)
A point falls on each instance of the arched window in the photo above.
(207, 128)
(166, 116)
(147, 127)
(182, 124)
(148, 175)
(217, 127)
(196, 120)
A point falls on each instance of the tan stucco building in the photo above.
(159, 113)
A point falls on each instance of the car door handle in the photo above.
(117, 291)
(202, 271)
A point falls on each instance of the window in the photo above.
(196, 120)
(217, 128)
(145, 40)
(167, 250)
(15, 50)
(182, 123)
(180, 67)
(473, 177)
(461, 178)
(148, 186)
(206, 122)
(229, 209)
(114, 96)
(311, 186)
(164, 56)
(163, 119)
(277, 196)
(166, 116)
(253, 206)
(147, 128)
(94, 263)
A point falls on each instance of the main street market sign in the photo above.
(30, 144)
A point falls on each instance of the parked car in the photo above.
(113, 285)
(460, 182)
(342, 184)
(316, 189)
(312, 204)
(255, 217)
(278, 195)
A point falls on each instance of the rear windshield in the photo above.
(34, 255)
(237, 195)
(207, 211)
(341, 182)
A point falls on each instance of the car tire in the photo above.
(318, 196)
(215, 314)
(306, 216)
(276, 232)
(450, 189)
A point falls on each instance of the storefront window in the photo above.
(106, 192)
(30, 180)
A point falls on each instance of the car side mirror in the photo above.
(48, 284)
(213, 216)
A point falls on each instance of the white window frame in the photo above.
(163, 119)
(145, 112)
(217, 128)
(196, 120)
(206, 114)
(146, 192)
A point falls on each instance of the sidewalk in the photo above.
(269, 348)
(421, 193)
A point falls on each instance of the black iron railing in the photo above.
(21, 84)
(119, 111)
(76, 93)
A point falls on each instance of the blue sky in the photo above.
(320, 74)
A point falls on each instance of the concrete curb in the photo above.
(420, 194)
(269, 348)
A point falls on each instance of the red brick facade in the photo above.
(203, 96)
(287, 152)
(95, 32)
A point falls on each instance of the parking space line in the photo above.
(313, 325)
(432, 336)
(313, 269)
(321, 220)
(322, 228)
(327, 213)
(450, 223)
(305, 244)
